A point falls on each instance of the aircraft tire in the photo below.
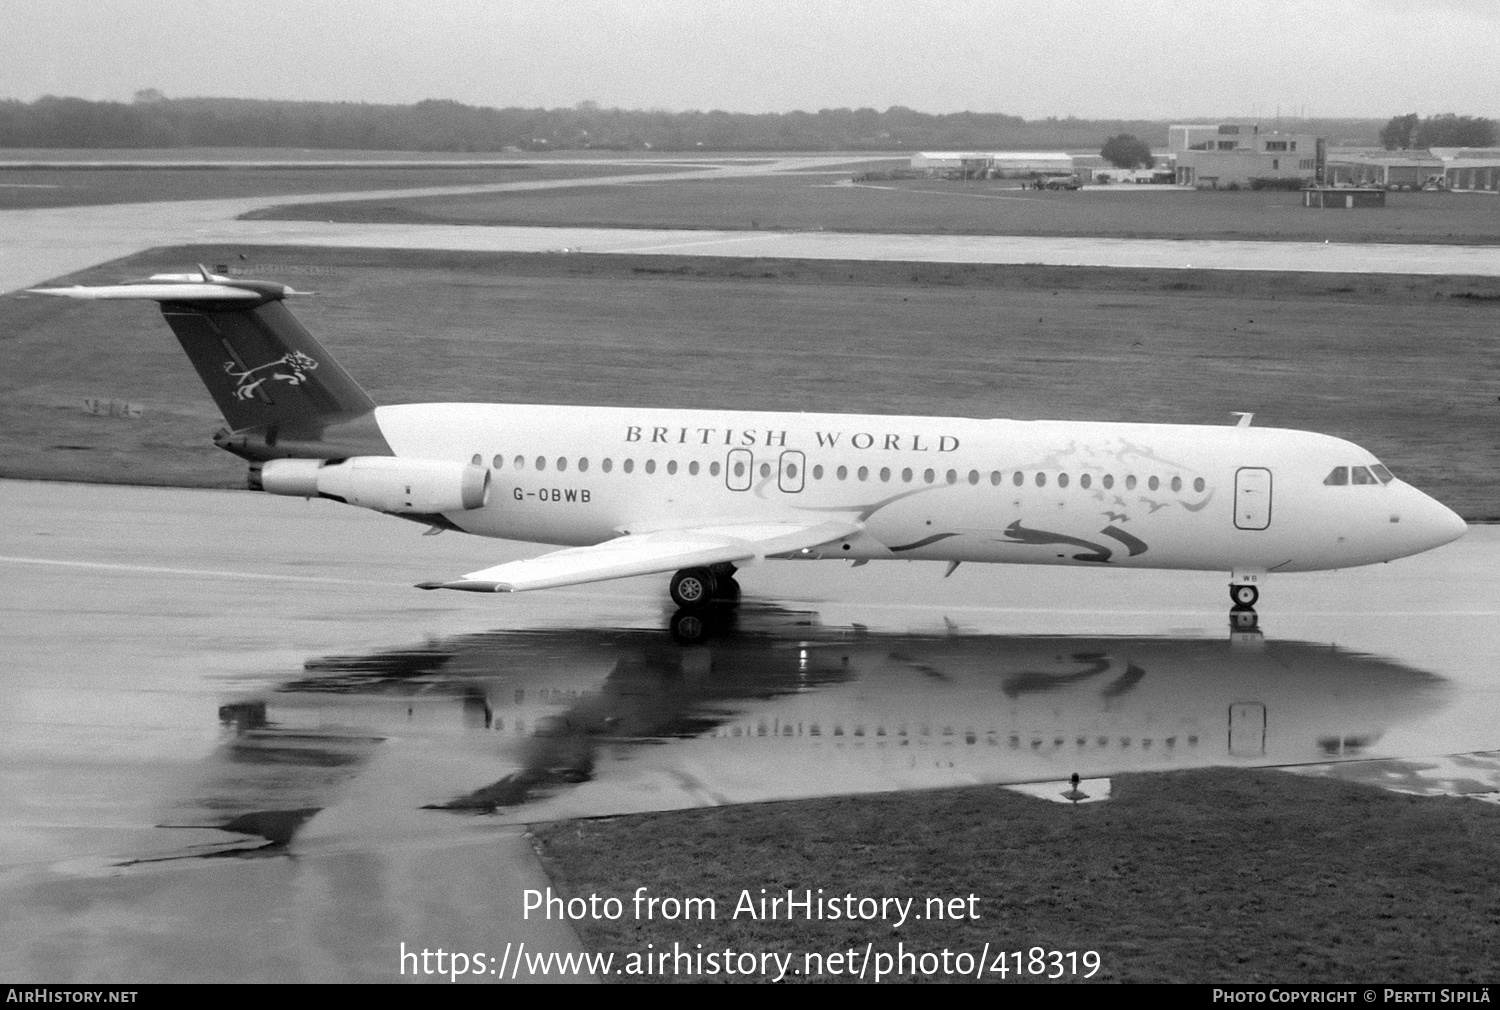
(692, 587)
(1244, 597)
(728, 590)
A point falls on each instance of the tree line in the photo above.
(1408, 132)
(153, 120)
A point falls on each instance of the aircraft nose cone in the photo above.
(1453, 525)
(1439, 524)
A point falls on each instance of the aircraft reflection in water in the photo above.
(771, 704)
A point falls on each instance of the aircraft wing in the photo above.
(649, 553)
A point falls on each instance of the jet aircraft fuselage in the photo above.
(639, 491)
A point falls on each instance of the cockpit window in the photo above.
(1362, 475)
(1339, 476)
(1382, 473)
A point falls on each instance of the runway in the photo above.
(199, 677)
(41, 244)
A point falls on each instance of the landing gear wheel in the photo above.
(692, 587)
(728, 590)
(1244, 597)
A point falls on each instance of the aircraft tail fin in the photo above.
(266, 372)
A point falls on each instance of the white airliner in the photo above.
(632, 491)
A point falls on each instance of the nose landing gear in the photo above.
(1243, 596)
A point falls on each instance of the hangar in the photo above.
(1472, 169)
(1385, 169)
(997, 164)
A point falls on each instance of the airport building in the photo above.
(993, 164)
(1383, 169)
(1222, 155)
(1473, 169)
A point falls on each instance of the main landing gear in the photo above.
(1244, 596)
(698, 587)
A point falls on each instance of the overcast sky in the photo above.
(1087, 58)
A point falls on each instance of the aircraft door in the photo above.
(791, 477)
(739, 469)
(1252, 498)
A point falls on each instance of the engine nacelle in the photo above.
(383, 483)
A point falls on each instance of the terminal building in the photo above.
(1224, 155)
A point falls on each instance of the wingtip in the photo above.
(467, 586)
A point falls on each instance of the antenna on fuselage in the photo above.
(1245, 417)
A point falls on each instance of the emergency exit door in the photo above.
(1252, 498)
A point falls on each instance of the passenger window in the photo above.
(765, 469)
(713, 469)
(953, 477)
(520, 462)
(583, 465)
(864, 472)
(1041, 479)
(477, 460)
(693, 468)
(739, 469)
(1363, 476)
(995, 477)
(1176, 483)
(499, 461)
(1153, 483)
(650, 466)
(562, 463)
(1018, 478)
(541, 462)
(906, 475)
(1109, 481)
(791, 471)
(609, 464)
(1198, 484)
(671, 466)
(885, 473)
(1084, 480)
(1062, 480)
(842, 473)
(1338, 478)
(629, 466)
(818, 472)
(1130, 482)
(1381, 473)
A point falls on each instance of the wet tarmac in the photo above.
(233, 727)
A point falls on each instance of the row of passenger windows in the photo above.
(947, 735)
(1342, 475)
(885, 474)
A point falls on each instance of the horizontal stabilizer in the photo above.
(202, 286)
(269, 376)
(650, 553)
(158, 292)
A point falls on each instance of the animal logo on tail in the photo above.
(291, 368)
